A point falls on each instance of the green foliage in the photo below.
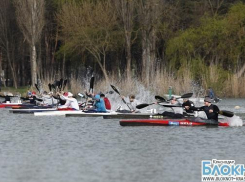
(90, 26)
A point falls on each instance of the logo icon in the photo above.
(222, 170)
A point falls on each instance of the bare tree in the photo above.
(8, 36)
(30, 17)
(125, 9)
(92, 27)
(215, 6)
(149, 12)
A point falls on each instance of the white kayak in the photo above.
(55, 113)
(63, 113)
(193, 99)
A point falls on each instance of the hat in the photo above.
(70, 94)
(207, 99)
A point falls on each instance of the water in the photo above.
(59, 149)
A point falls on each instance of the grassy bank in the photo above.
(223, 83)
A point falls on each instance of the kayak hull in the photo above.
(9, 105)
(84, 114)
(30, 111)
(56, 113)
(165, 122)
(133, 116)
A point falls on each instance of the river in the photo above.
(60, 149)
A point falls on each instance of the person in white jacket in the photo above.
(71, 102)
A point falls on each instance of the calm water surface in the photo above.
(59, 149)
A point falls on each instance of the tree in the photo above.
(92, 27)
(8, 36)
(149, 12)
(126, 10)
(30, 17)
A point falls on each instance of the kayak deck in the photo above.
(165, 122)
(133, 116)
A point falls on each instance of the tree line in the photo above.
(40, 39)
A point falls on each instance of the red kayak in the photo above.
(165, 122)
(6, 105)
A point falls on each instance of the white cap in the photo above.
(70, 94)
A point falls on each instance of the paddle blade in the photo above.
(65, 82)
(50, 87)
(160, 99)
(53, 87)
(91, 87)
(115, 89)
(37, 88)
(61, 83)
(226, 113)
(141, 106)
(187, 95)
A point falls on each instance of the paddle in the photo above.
(37, 87)
(64, 85)
(160, 99)
(226, 113)
(61, 84)
(115, 89)
(91, 87)
(53, 87)
(157, 97)
(221, 112)
(141, 106)
(187, 95)
(50, 87)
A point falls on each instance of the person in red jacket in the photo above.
(106, 100)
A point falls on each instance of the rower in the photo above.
(212, 111)
(187, 104)
(99, 104)
(71, 102)
(177, 111)
(106, 100)
(132, 103)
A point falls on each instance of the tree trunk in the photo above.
(128, 51)
(34, 64)
(241, 71)
(63, 65)
(12, 66)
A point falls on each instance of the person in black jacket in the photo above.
(212, 111)
(187, 104)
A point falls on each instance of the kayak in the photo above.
(56, 113)
(84, 114)
(9, 105)
(166, 122)
(116, 115)
(31, 106)
(193, 99)
(30, 111)
(133, 116)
